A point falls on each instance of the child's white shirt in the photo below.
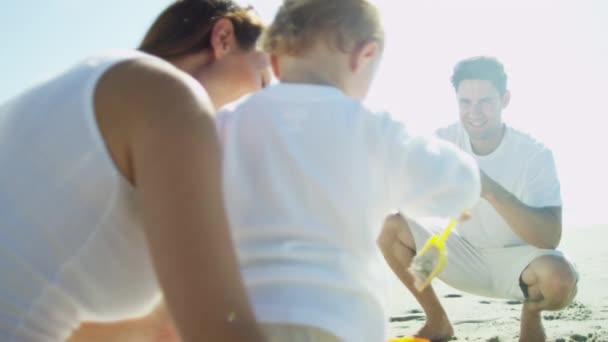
(309, 177)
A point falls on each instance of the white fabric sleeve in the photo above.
(445, 134)
(542, 188)
(450, 133)
(428, 176)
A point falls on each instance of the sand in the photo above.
(486, 319)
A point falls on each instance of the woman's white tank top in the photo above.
(71, 246)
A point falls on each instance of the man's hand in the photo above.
(540, 227)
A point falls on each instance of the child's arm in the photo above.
(430, 177)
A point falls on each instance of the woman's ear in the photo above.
(365, 54)
(223, 40)
(274, 63)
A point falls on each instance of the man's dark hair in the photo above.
(481, 68)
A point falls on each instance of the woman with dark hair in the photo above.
(215, 41)
(111, 188)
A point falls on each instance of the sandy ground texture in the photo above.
(487, 319)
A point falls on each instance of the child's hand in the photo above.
(465, 216)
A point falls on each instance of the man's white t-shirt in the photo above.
(309, 176)
(522, 166)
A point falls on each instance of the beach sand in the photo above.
(487, 319)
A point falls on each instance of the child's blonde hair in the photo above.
(343, 24)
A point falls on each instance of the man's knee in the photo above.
(560, 289)
(557, 280)
(395, 229)
(396, 242)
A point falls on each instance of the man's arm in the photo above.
(540, 227)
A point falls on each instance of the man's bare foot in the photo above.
(531, 326)
(437, 330)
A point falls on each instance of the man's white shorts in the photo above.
(488, 272)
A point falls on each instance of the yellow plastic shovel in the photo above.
(431, 259)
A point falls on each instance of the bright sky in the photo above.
(555, 53)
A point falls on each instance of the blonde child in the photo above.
(310, 174)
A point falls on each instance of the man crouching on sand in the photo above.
(507, 249)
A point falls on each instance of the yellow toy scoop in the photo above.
(431, 259)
